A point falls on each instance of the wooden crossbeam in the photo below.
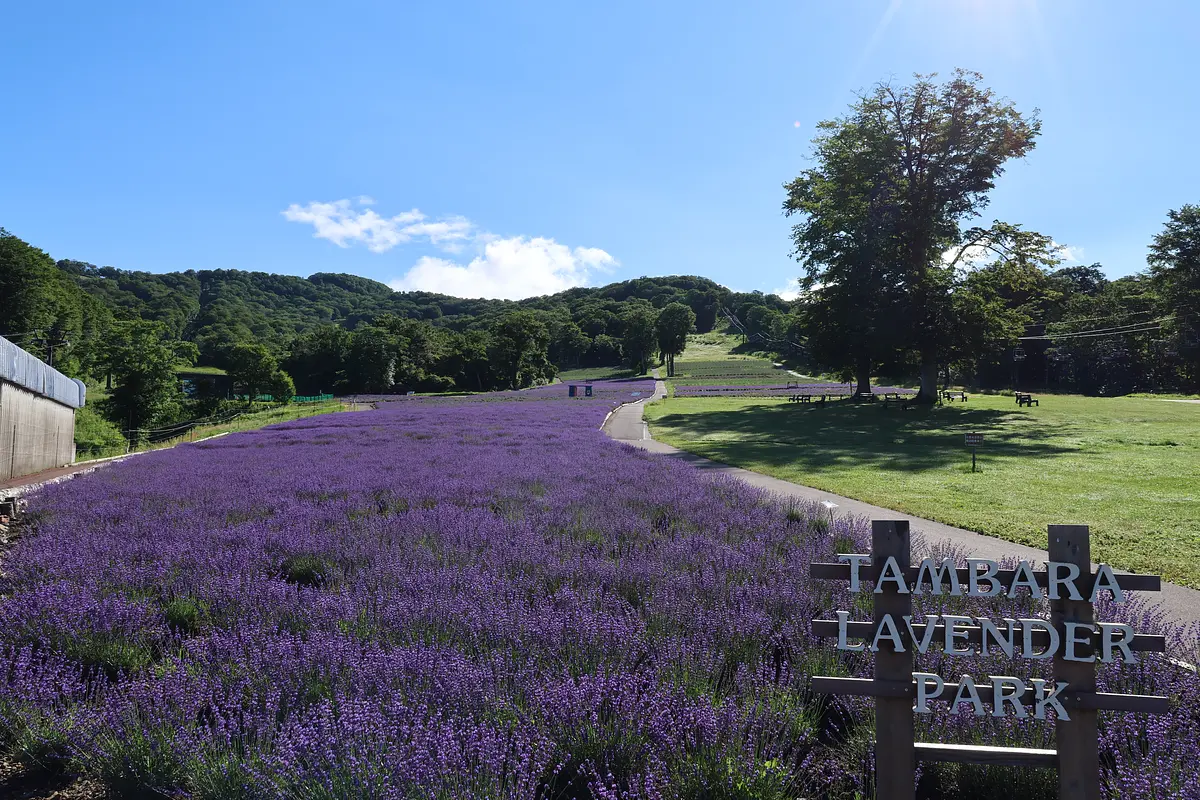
(983, 754)
(1128, 582)
(1092, 701)
(1141, 642)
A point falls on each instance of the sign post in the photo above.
(1071, 636)
(973, 441)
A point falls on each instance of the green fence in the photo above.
(270, 398)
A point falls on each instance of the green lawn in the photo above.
(1129, 468)
(596, 374)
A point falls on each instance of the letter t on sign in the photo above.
(895, 756)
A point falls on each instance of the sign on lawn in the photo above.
(1070, 637)
(974, 439)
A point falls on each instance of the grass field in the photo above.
(1129, 468)
(596, 374)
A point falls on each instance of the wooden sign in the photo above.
(974, 439)
(1070, 637)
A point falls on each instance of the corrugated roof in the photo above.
(26, 370)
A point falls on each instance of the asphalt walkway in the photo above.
(625, 424)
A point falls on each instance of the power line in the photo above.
(1095, 319)
(1145, 327)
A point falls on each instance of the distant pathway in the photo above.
(626, 425)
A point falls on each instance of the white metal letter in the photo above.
(856, 560)
(1054, 580)
(1027, 626)
(1073, 639)
(1107, 629)
(953, 634)
(1041, 699)
(1024, 577)
(925, 680)
(891, 572)
(932, 575)
(989, 630)
(967, 693)
(922, 644)
(1105, 579)
(887, 630)
(989, 575)
(1000, 697)
(843, 643)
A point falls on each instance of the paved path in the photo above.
(28, 483)
(626, 425)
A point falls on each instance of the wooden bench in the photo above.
(1026, 399)
(806, 398)
(952, 396)
(896, 400)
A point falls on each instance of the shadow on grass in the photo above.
(848, 434)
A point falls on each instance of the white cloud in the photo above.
(344, 225)
(790, 291)
(510, 269)
(1068, 252)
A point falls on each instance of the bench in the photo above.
(952, 396)
(1026, 399)
(805, 398)
(896, 400)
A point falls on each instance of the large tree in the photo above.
(675, 321)
(847, 206)
(1175, 269)
(639, 339)
(520, 350)
(935, 151)
(142, 361)
(254, 370)
(316, 360)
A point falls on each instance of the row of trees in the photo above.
(519, 349)
(894, 276)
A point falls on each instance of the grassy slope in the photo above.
(595, 374)
(709, 360)
(1130, 468)
(247, 421)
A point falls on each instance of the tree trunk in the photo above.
(864, 378)
(929, 376)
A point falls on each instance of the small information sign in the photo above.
(973, 441)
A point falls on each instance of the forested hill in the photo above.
(74, 312)
(216, 307)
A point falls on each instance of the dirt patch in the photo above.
(19, 782)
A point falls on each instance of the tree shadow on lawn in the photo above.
(845, 434)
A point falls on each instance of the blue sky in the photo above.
(510, 149)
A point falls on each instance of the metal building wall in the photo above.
(36, 433)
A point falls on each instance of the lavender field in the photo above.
(476, 597)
